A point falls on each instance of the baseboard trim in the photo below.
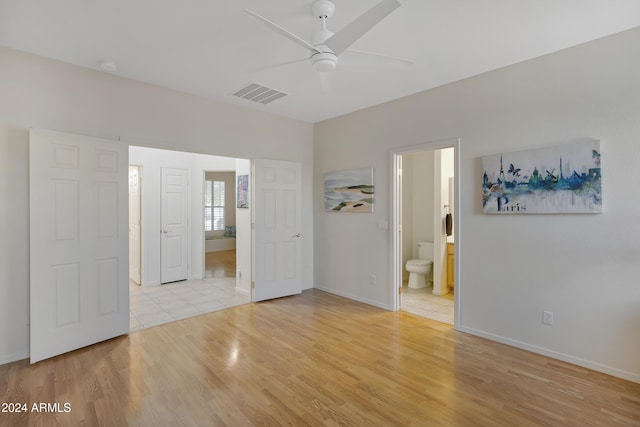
(14, 357)
(353, 297)
(620, 373)
(242, 291)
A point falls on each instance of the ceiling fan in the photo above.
(325, 45)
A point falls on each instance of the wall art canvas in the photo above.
(349, 190)
(243, 191)
(560, 179)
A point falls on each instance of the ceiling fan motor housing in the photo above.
(322, 9)
(324, 60)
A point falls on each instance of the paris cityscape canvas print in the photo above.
(561, 179)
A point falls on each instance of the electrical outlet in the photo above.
(547, 317)
(372, 279)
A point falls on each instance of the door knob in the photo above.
(296, 235)
(165, 231)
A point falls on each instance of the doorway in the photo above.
(424, 193)
(152, 301)
(219, 224)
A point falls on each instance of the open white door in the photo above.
(78, 241)
(276, 239)
(174, 243)
(134, 224)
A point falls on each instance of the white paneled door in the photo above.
(174, 242)
(78, 241)
(277, 232)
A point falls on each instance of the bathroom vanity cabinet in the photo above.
(450, 265)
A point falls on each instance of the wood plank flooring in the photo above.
(312, 359)
(220, 263)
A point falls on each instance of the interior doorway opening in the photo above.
(426, 231)
(153, 301)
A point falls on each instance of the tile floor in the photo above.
(423, 303)
(155, 305)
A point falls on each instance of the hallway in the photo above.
(155, 305)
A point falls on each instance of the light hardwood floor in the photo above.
(313, 359)
(220, 264)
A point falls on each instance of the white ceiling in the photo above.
(211, 48)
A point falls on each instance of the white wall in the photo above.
(37, 92)
(407, 213)
(423, 198)
(243, 235)
(584, 268)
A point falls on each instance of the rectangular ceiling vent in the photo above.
(258, 93)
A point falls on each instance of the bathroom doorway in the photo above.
(424, 230)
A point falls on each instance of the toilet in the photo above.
(420, 269)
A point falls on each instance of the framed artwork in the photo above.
(243, 191)
(349, 191)
(562, 179)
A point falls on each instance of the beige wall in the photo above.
(584, 268)
(42, 93)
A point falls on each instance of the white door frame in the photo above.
(396, 220)
(139, 246)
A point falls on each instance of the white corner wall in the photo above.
(243, 235)
(584, 268)
(42, 93)
(424, 168)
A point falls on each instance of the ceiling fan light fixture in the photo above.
(324, 60)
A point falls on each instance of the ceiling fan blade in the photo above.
(288, 34)
(279, 64)
(344, 38)
(357, 57)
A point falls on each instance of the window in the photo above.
(214, 206)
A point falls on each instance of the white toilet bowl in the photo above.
(418, 270)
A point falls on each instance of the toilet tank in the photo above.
(425, 250)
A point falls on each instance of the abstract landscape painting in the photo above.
(561, 179)
(349, 190)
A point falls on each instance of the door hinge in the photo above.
(400, 290)
(253, 284)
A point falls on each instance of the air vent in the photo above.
(258, 93)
